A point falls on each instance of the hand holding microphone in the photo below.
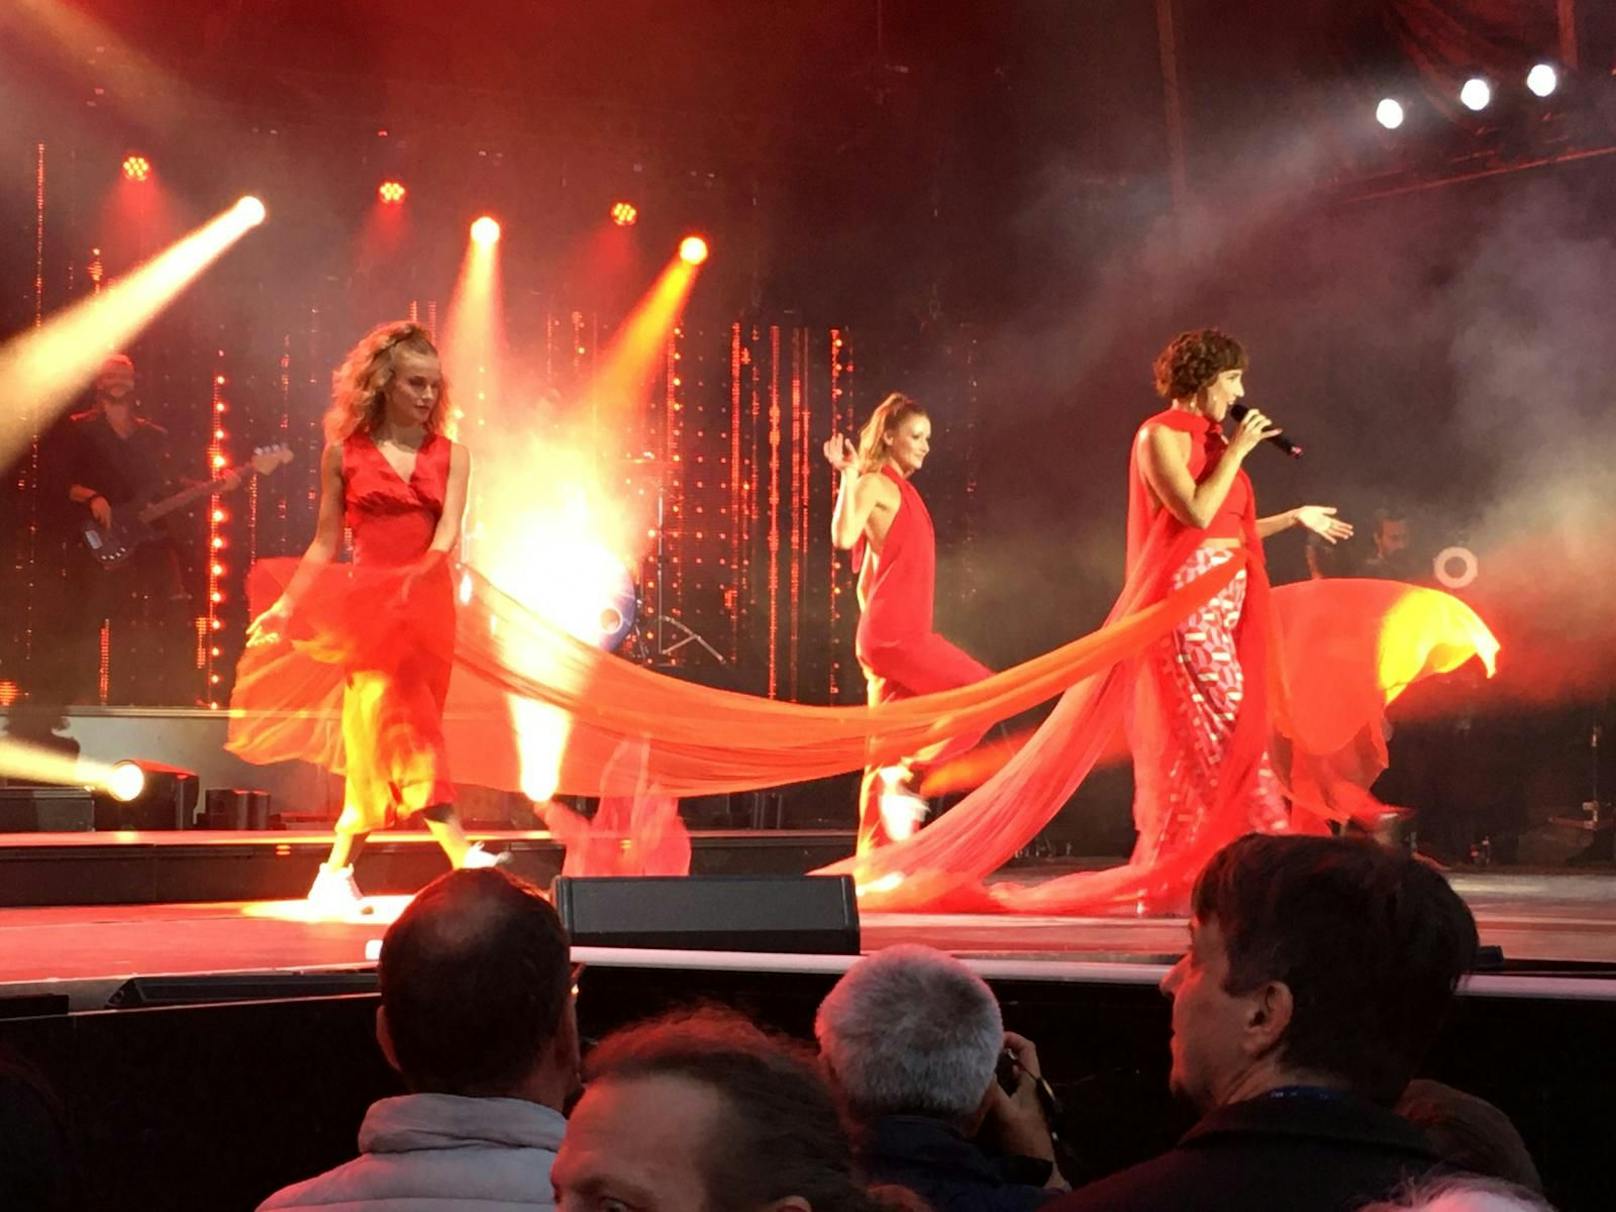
(1254, 427)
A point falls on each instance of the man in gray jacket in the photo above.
(477, 1016)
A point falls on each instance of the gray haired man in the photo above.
(912, 1038)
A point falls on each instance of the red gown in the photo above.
(902, 657)
(382, 631)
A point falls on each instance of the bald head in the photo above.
(476, 984)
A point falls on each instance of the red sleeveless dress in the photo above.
(376, 634)
(902, 657)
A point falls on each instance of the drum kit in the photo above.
(652, 635)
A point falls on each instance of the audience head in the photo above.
(704, 1111)
(1469, 1132)
(1464, 1193)
(1313, 960)
(476, 991)
(911, 1031)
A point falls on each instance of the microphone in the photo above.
(1238, 411)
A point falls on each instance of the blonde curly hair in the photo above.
(359, 386)
(888, 415)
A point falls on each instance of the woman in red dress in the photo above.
(881, 517)
(1198, 724)
(398, 484)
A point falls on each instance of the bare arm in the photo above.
(854, 504)
(856, 497)
(447, 536)
(1275, 523)
(1164, 461)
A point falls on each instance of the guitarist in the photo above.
(116, 460)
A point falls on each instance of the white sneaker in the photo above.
(902, 811)
(334, 893)
(476, 856)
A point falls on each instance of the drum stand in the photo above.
(654, 649)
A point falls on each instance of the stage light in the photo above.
(51, 364)
(485, 231)
(391, 192)
(692, 250)
(136, 168)
(1542, 80)
(125, 781)
(1389, 113)
(624, 214)
(138, 794)
(1476, 94)
(251, 211)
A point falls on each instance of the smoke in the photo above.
(1446, 352)
(1535, 376)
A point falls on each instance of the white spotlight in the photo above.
(1476, 94)
(251, 210)
(1389, 113)
(125, 781)
(1542, 80)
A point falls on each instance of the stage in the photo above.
(1549, 935)
(179, 1024)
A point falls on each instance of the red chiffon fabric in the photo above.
(689, 739)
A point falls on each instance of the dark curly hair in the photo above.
(1192, 360)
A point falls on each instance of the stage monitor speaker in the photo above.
(799, 914)
(45, 810)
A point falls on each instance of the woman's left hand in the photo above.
(1321, 520)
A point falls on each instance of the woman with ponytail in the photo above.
(880, 516)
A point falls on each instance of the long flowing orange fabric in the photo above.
(688, 739)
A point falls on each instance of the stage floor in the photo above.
(1557, 933)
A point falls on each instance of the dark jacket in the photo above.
(1310, 1151)
(935, 1161)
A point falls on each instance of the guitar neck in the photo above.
(196, 492)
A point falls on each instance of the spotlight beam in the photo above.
(45, 368)
(19, 760)
(627, 364)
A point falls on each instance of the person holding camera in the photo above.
(944, 1100)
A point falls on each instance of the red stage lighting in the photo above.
(624, 214)
(485, 231)
(693, 250)
(391, 192)
(136, 168)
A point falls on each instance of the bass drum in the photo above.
(618, 612)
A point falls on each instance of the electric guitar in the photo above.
(132, 523)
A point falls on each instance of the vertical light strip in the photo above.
(674, 476)
(796, 516)
(774, 511)
(837, 574)
(31, 488)
(209, 651)
(737, 481)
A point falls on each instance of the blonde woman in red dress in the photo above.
(398, 484)
(880, 515)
